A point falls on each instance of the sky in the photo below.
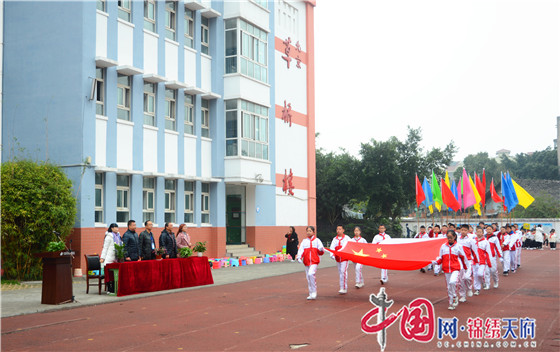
(483, 73)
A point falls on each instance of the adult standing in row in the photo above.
(147, 242)
(131, 243)
(112, 237)
(183, 238)
(167, 241)
(292, 242)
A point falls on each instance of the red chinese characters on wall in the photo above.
(287, 113)
(288, 183)
(288, 49)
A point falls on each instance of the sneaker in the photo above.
(469, 293)
(455, 302)
(495, 285)
(382, 282)
(505, 273)
(518, 265)
(359, 285)
(342, 292)
(451, 307)
(476, 293)
(463, 299)
(422, 270)
(513, 271)
(312, 296)
(486, 287)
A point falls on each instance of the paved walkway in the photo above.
(26, 298)
(270, 313)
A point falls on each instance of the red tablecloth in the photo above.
(158, 275)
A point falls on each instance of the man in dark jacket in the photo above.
(147, 243)
(167, 241)
(130, 241)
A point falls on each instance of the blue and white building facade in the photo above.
(169, 111)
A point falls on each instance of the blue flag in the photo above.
(454, 189)
(510, 200)
(428, 192)
(512, 190)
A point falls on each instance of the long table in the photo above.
(158, 275)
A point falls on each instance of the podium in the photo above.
(57, 277)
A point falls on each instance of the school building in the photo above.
(186, 111)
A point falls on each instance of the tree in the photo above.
(389, 168)
(481, 161)
(337, 183)
(544, 206)
(36, 199)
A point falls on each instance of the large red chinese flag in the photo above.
(481, 188)
(448, 197)
(420, 196)
(495, 197)
(393, 254)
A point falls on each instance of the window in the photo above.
(205, 118)
(170, 117)
(253, 135)
(205, 204)
(262, 3)
(99, 198)
(150, 15)
(204, 36)
(170, 19)
(189, 202)
(101, 5)
(125, 10)
(123, 193)
(246, 49)
(148, 199)
(189, 113)
(123, 97)
(100, 91)
(189, 28)
(149, 104)
(169, 200)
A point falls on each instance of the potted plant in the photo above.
(160, 252)
(185, 252)
(119, 252)
(200, 247)
(56, 246)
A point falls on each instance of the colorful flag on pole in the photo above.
(420, 196)
(448, 197)
(447, 180)
(476, 196)
(436, 191)
(525, 199)
(480, 188)
(454, 191)
(495, 196)
(507, 192)
(483, 195)
(428, 193)
(512, 189)
(460, 190)
(468, 194)
(393, 254)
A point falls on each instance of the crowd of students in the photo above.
(470, 258)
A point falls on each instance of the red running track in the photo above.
(271, 314)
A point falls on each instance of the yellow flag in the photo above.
(525, 199)
(431, 209)
(447, 180)
(477, 197)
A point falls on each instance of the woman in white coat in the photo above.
(112, 236)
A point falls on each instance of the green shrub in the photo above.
(36, 199)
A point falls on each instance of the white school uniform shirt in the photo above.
(422, 235)
(359, 240)
(484, 246)
(496, 242)
(468, 246)
(338, 241)
(380, 237)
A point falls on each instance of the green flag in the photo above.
(438, 199)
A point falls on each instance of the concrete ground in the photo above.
(260, 312)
